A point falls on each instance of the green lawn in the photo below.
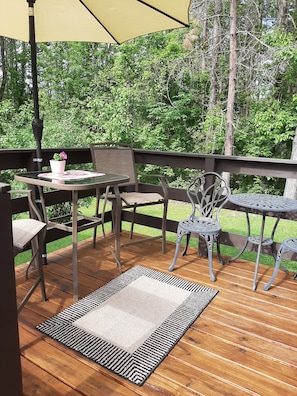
(231, 221)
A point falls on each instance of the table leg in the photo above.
(259, 251)
(74, 245)
(246, 241)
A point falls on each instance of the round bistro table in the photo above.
(263, 204)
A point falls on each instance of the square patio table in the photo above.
(75, 181)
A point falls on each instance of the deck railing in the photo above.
(23, 160)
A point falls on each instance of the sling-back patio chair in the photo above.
(207, 193)
(118, 158)
(25, 232)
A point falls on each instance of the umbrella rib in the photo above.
(161, 12)
(94, 16)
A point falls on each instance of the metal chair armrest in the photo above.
(32, 205)
(162, 180)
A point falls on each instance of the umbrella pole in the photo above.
(37, 124)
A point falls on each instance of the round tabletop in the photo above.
(264, 202)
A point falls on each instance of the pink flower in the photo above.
(63, 155)
(60, 156)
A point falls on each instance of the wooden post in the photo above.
(10, 365)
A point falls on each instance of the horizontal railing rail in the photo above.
(23, 160)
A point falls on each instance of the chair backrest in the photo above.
(208, 193)
(118, 158)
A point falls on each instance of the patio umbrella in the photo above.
(105, 21)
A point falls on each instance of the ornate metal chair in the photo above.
(25, 232)
(207, 193)
(288, 244)
(112, 157)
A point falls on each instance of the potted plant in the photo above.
(58, 163)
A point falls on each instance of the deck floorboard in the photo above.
(244, 343)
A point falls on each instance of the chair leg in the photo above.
(209, 241)
(36, 256)
(30, 292)
(35, 253)
(41, 239)
(273, 250)
(29, 265)
(178, 242)
(96, 214)
(164, 220)
(186, 245)
(132, 222)
(279, 256)
(219, 251)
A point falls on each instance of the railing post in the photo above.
(210, 164)
(10, 366)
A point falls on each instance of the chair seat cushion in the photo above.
(139, 198)
(131, 198)
(24, 230)
(201, 225)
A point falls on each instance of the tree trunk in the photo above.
(282, 14)
(204, 34)
(214, 90)
(229, 138)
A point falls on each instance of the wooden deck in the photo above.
(244, 343)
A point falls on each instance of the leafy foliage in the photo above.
(164, 91)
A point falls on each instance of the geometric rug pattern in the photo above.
(130, 324)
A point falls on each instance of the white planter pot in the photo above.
(57, 167)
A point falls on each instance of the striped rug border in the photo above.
(138, 366)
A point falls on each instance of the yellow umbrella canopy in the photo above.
(105, 21)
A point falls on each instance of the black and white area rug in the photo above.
(130, 324)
